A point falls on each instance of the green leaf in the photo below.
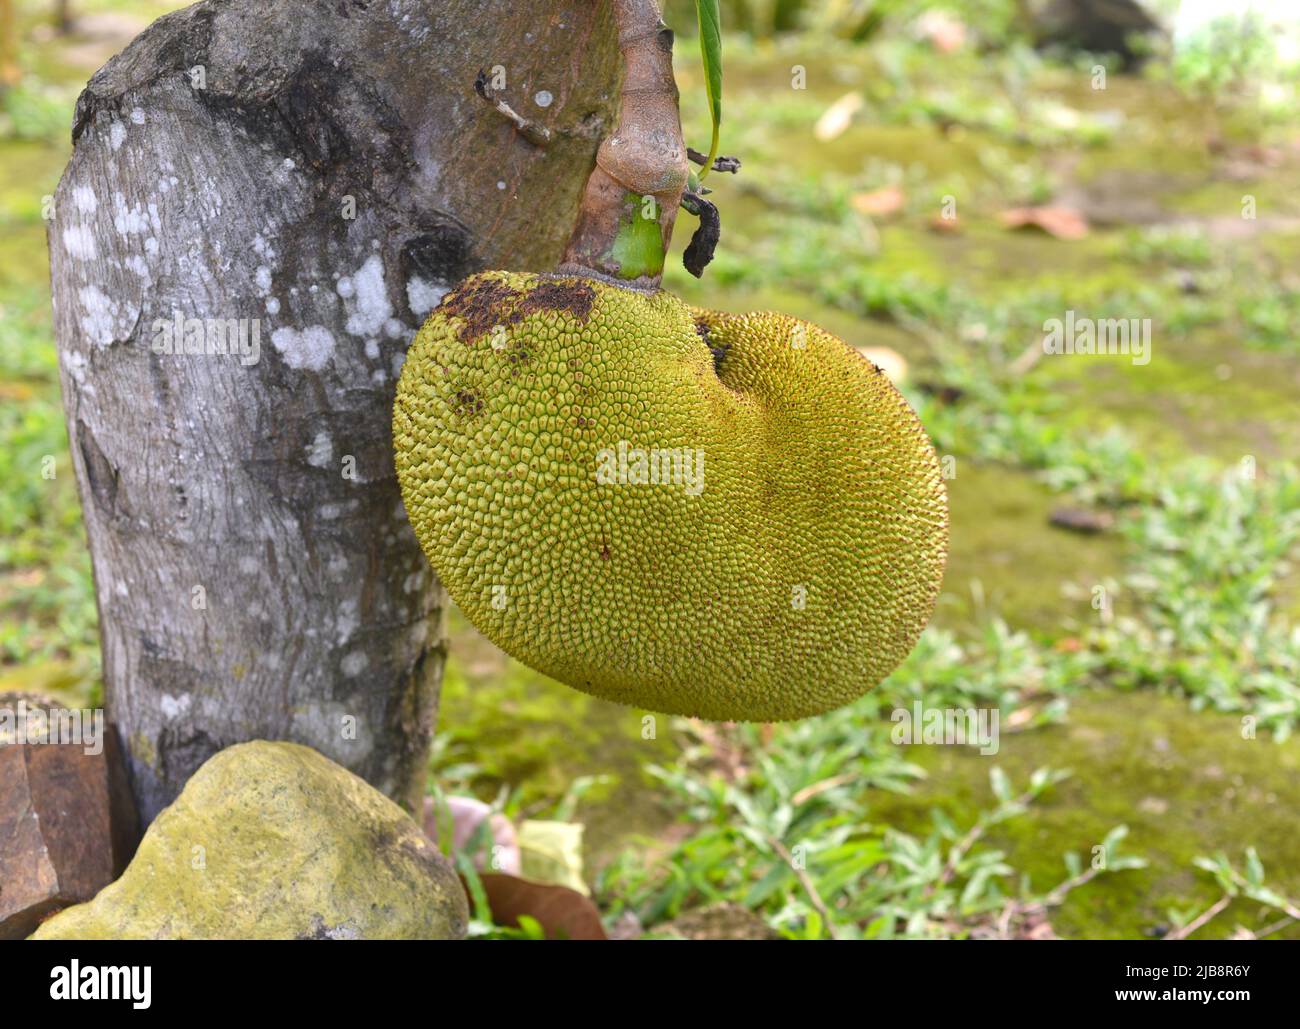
(1254, 868)
(1001, 785)
(710, 19)
(531, 928)
(775, 878)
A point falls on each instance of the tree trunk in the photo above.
(322, 171)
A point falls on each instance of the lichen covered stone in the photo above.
(274, 841)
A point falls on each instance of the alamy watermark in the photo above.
(29, 725)
(626, 465)
(219, 337)
(946, 726)
(74, 981)
(1130, 337)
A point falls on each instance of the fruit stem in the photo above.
(626, 219)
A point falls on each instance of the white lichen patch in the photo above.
(174, 707)
(346, 621)
(85, 199)
(369, 309)
(320, 451)
(311, 348)
(262, 248)
(116, 134)
(354, 664)
(79, 242)
(75, 363)
(423, 296)
(129, 220)
(98, 315)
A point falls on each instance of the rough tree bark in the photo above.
(325, 170)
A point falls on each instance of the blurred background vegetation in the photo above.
(931, 182)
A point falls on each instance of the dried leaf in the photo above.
(942, 30)
(879, 203)
(704, 241)
(1021, 716)
(1061, 222)
(564, 914)
(836, 118)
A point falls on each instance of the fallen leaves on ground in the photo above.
(1061, 222)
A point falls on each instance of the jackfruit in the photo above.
(734, 517)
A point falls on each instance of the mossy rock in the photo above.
(274, 841)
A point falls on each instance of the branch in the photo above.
(1201, 919)
(626, 219)
(538, 135)
(720, 164)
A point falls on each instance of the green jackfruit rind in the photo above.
(795, 581)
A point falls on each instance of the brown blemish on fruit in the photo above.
(486, 304)
(575, 297)
(481, 307)
(467, 403)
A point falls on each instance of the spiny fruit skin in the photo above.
(792, 583)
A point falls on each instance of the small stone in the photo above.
(274, 841)
(68, 825)
(1153, 805)
(1082, 520)
(467, 814)
(723, 921)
